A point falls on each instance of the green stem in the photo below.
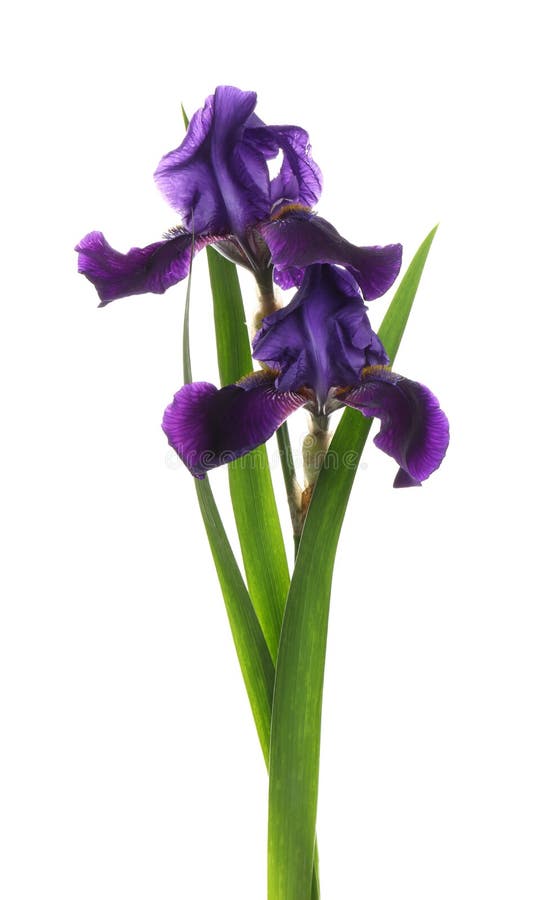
(286, 457)
(294, 499)
(293, 489)
(255, 660)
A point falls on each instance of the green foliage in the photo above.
(252, 651)
(297, 704)
(252, 495)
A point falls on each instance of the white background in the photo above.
(129, 765)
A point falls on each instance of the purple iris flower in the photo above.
(319, 352)
(218, 181)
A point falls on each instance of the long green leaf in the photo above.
(252, 495)
(297, 704)
(233, 343)
(393, 325)
(252, 651)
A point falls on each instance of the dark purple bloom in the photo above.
(320, 352)
(218, 181)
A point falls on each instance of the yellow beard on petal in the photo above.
(290, 207)
(374, 370)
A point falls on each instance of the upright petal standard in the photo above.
(218, 181)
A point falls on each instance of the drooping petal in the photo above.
(208, 427)
(323, 338)
(141, 270)
(414, 429)
(214, 179)
(298, 238)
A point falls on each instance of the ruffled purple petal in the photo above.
(218, 178)
(214, 179)
(208, 427)
(299, 179)
(414, 429)
(297, 164)
(323, 338)
(298, 238)
(185, 177)
(141, 270)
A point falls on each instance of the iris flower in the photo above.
(319, 352)
(219, 182)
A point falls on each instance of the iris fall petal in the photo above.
(141, 270)
(208, 427)
(414, 429)
(299, 238)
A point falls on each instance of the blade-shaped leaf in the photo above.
(297, 704)
(233, 343)
(252, 651)
(252, 495)
(254, 656)
(393, 325)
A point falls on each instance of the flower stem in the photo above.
(315, 447)
(287, 460)
(294, 491)
(269, 302)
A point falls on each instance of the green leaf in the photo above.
(393, 325)
(252, 651)
(233, 343)
(252, 495)
(297, 704)
(254, 656)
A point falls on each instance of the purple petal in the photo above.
(141, 270)
(299, 179)
(414, 430)
(214, 179)
(218, 178)
(208, 427)
(185, 178)
(323, 338)
(298, 238)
